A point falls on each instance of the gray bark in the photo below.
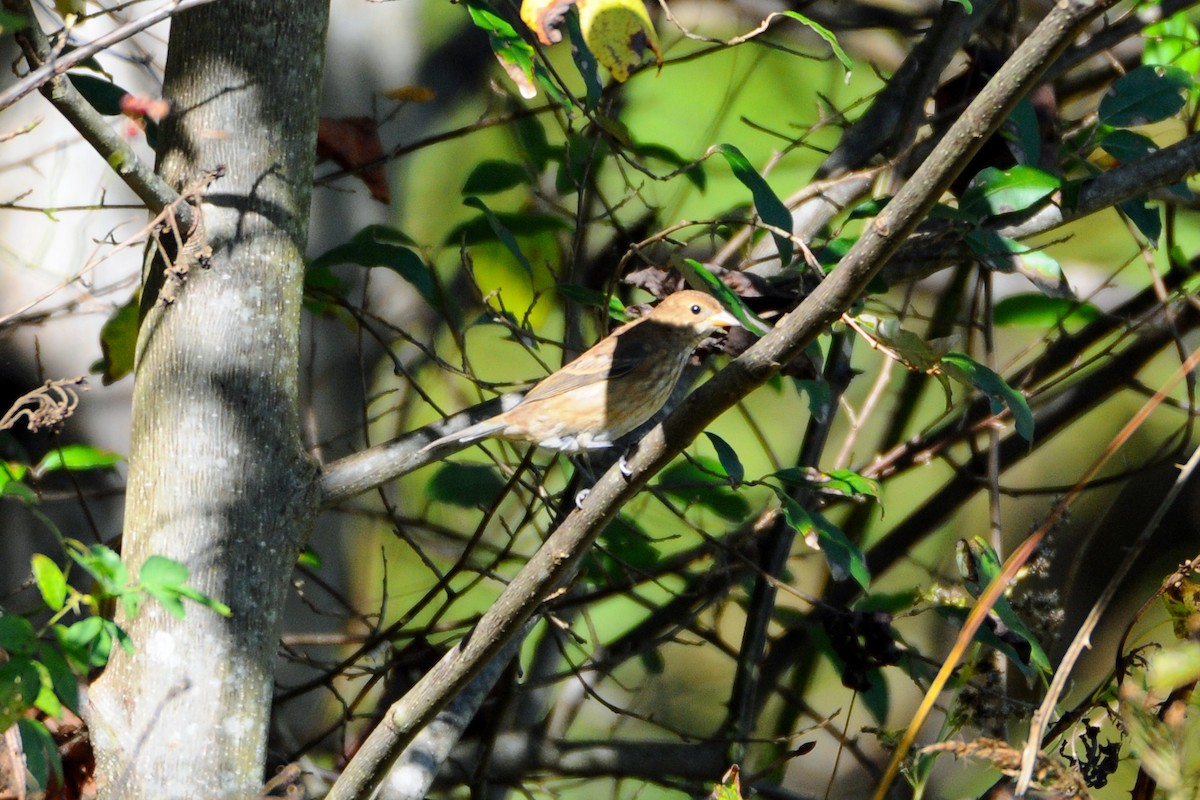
(218, 478)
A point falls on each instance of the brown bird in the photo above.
(612, 388)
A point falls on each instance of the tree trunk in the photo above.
(217, 475)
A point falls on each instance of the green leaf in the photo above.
(62, 679)
(493, 175)
(987, 567)
(1008, 255)
(46, 701)
(694, 484)
(768, 205)
(51, 582)
(993, 191)
(76, 458)
(104, 96)
(13, 488)
(159, 572)
(730, 462)
(699, 276)
(103, 564)
(17, 636)
(465, 485)
(585, 62)
(967, 370)
(844, 559)
(1127, 146)
(382, 246)
(826, 34)
(611, 304)
(165, 580)
(502, 233)
(1032, 310)
(41, 753)
(1144, 216)
(86, 643)
(850, 483)
(1022, 126)
(20, 683)
(118, 342)
(1144, 95)
(845, 482)
(514, 53)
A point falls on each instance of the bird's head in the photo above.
(694, 311)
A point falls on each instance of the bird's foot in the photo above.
(624, 468)
(580, 496)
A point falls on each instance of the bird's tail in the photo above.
(471, 433)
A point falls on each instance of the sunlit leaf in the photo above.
(619, 32)
(993, 191)
(963, 368)
(76, 457)
(118, 342)
(844, 558)
(514, 53)
(700, 277)
(987, 566)
(1008, 255)
(826, 34)
(1038, 311)
(50, 581)
(768, 205)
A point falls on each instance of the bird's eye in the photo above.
(696, 308)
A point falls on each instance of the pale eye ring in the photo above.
(695, 308)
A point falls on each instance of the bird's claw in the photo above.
(624, 468)
(581, 496)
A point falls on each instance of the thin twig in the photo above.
(61, 64)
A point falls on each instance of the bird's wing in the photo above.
(612, 357)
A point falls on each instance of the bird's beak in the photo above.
(724, 320)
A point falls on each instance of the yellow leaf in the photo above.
(618, 33)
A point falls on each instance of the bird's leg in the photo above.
(584, 468)
(623, 465)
